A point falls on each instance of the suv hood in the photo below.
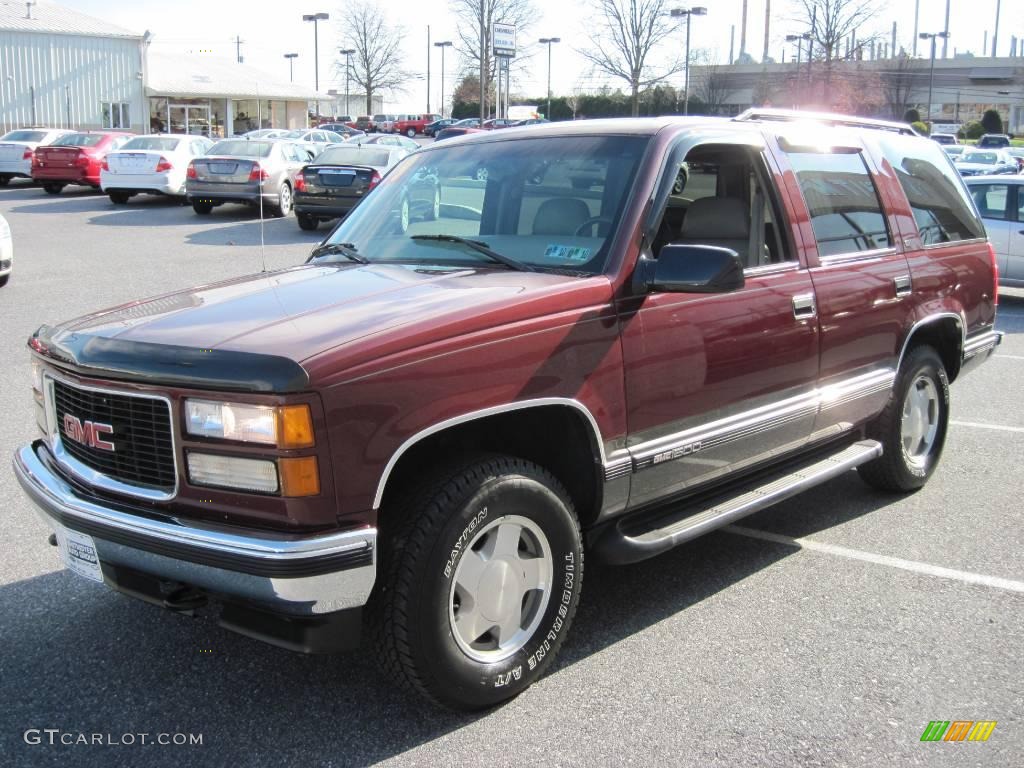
(356, 312)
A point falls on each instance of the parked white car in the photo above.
(6, 252)
(1000, 201)
(154, 164)
(17, 148)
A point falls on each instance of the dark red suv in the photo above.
(75, 159)
(423, 429)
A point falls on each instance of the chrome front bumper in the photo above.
(295, 575)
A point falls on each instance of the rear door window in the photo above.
(845, 210)
(934, 189)
(992, 200)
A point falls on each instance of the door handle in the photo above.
(902, 285)
(803, 306)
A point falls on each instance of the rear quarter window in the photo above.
(941, 205)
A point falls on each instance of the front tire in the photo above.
(912, 428)
(479, 582)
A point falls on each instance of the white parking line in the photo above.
(980, 425)
(1009, 357)
(925, 569)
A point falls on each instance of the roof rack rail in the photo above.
(848, 121)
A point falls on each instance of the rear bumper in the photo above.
(228, 193)
(161, 184)
(64, 176)
(299, 576)
(334, 208)
(16, 168)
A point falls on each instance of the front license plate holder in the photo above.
(78, 552)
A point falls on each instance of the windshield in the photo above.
(24, 136)
(79, 140)
(987, 158)
(295, 134)
(550, 203)
(241, 148)
(152, 142)
(354, 155)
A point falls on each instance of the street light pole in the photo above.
(316, 18)
(548, 41)
(931, 70)
(442, 45)
(347, 53)
(687, 12)
(291, 66)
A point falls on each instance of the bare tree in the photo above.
(711, 85)
(623, 36)
(834, 22)
(474, 19)
(377, 62)
(898, 82)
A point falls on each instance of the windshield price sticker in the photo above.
(567, 252)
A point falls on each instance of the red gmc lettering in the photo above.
(90, 433)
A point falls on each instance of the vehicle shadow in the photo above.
(73, 203)
(83, 659)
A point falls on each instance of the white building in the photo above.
(63, 69)
(60, 68)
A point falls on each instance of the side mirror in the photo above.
(691, 269)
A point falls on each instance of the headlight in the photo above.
(284, 426)
(230, 472)
(37, 378)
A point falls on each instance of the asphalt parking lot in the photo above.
(827, 631)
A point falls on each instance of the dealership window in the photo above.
(115, 115)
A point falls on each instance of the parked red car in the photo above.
(413, 124)
(75, 159)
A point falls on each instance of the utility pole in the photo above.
(767, 27)
(238, 48)
(688, 13)
(442, 45)
(917, 12)
(548, 41)
(316, 18)
(931, 72)
(945, 41)
(291, 66)
(347, 53)
(995, 32)
(428, 69)
(483, 63)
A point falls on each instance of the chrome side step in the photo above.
(630, 541)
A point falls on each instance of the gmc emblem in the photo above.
(89, 433)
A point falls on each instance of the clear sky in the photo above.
(271, 29)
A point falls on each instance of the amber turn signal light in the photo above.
(294, 426)
(299, 477)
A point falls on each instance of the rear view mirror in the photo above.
(692, 269)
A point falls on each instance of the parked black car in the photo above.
(431, 129)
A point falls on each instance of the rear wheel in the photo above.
(53, 189)
(912, 428)
(119, 198)
(411, 133)
(480, 580)
(203, 209)
(307, 222)
(4, 179)
(4, 279)
(434, 212)
(284, 202)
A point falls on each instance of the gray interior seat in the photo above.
(720, 221)
(560, 216)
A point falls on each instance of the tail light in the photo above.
(105, 166)
(995, 274)
(300, 183)
(162, 165)
(190, 172)
(27, 154)
(258, 173)
(374, 180)
(82, 160)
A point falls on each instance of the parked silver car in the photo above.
(314, 140)
(245, 171)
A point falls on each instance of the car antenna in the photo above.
(259, 122)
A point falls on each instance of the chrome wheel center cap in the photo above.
(501, 591)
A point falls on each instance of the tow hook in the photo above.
(185, 600)
(52, 539)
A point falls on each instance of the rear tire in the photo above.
(203, 209)
(411, 133)
(119, 198)
(4, 180)
(53, 189)
(912, 428)
(4, 279)
(306, 222)
(284, 202)
(479, 582)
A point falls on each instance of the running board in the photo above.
(631, 541)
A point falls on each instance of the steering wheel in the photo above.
(591, 222)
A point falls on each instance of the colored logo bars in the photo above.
(958, 730)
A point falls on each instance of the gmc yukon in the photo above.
(416, 435)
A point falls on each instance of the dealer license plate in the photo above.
(78, 551)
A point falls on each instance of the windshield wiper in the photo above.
(477, 247)
(348, 250)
